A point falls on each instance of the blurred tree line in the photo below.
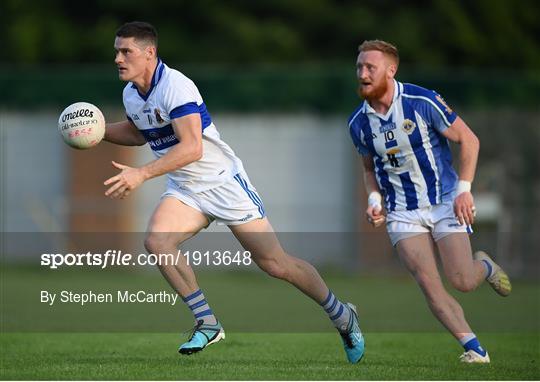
(438, 33)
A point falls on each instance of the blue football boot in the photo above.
(353, 341)
(203, 335)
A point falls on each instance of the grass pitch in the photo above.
(273, 331)
(252, 356)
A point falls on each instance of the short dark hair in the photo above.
(382, 46)
(140, 30)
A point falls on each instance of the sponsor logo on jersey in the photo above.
(408, 126)
(158, 115)
(392, 158)
(163, 142)
(387, 127)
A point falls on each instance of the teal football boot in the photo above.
(203, 335)
(353, 340)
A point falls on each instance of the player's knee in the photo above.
(154, 242)
(463, 284)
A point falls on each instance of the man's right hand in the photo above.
(375, 216)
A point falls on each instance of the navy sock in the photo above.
(489, 268)
(470, 342)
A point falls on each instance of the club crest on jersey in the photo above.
(442, 102)
(408, 126)
(158, 115)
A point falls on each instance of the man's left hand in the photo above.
(122, 184)
(464, 208)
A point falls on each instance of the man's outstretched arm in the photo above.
(124, 133)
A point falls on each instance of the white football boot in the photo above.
(498, 280)
(473, 357)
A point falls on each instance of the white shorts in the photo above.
(235, 202)
(439, 219)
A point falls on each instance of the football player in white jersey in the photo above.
(206, 182)
(402, 132)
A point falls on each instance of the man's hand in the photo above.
(375, 216)
(464, 208)
(123, 183)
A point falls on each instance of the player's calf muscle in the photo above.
(274, 268)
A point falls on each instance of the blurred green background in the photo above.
(253, 55)
(440, 33)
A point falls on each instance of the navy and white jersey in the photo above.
(173, 95)
(412, 159)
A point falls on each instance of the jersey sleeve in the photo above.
(181, 98)
(442, 116)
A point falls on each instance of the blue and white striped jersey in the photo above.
(173, 95)
(413, 162)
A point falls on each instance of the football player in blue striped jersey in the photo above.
(403, 133)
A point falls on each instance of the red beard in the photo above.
(375, 92)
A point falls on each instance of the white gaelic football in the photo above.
(82, 125)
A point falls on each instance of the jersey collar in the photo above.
(158, 73)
